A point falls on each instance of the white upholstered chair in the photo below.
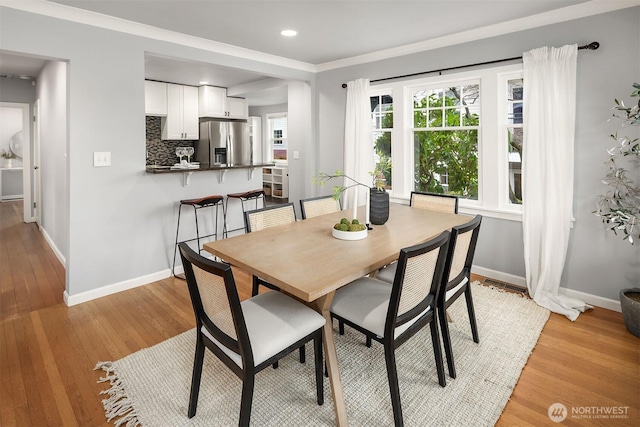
(393, 314)
(246, 336)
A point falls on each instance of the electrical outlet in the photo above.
(101, 159)
(296, 154)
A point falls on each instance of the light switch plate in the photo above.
(101, 159)
(296, 154)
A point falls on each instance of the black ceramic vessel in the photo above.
(378, 206)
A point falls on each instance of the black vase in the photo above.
(378, 206)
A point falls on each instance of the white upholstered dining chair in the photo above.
(393, 314)
(246, 336)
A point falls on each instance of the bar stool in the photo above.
(203, 202)
(246, 196)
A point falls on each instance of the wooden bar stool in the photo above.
(203, 202)
(244, 197)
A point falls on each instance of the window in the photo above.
(277, 133)
(382, 126)
(446, 123)
(456, 134)
(514, 134)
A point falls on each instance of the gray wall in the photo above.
(598, 262)
(120, 220)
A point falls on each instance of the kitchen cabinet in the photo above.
(237, 108)
(275, 182)
(181, 122)
(214, 102)
(155, 98)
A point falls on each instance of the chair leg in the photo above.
(369, 341)
(195, 378)
(341, 327)
(303, 354)
(472, 314)
(317, 345)
(437, 353)
(446, 340)
(247, 397)
(254, 286)
(392, 375)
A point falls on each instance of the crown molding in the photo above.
(68, 13)
(582, 10)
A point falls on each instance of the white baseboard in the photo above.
(118, 287)
(499, 275)
(12, 197)
(590, 299)
(54, 248)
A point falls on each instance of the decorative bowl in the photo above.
(349, 235)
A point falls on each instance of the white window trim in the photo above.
(493, 158)
(270, 138)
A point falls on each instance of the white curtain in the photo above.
(547, 172)
(358, 147)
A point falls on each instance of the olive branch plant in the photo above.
(619, 207)
(322, 178)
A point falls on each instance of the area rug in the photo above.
(151, 386)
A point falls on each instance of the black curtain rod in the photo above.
(590, 46)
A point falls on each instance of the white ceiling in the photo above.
(328, 30)
(331, 33)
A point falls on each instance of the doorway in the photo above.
(15, 137)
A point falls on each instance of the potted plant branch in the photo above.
(619, 207)
(378, 196)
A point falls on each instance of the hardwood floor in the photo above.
(48, 351)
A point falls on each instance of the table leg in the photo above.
(323, 305)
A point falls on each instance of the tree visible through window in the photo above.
(382, 125)
(446, 123)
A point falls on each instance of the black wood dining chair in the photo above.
(246, 336)
(391, 315)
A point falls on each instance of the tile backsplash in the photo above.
(162, 152)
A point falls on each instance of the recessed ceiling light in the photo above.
(204, 83)
(288, 33)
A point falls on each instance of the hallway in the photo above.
(31, 277)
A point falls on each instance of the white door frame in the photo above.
(26, 156)
(37, 183)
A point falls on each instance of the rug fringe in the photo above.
(117, 404)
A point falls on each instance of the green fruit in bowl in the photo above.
(345, 221)
(355, 221)
(341, 227)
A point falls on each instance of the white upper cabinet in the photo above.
(237, 108)
(181, 122)
(155, 98)
(213, 102)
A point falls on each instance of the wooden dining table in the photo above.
(306, 261)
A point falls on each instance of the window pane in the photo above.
(382, 123)
(514, 90)
(447, 162)
(515, 164)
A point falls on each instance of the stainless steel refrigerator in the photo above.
(226, 143)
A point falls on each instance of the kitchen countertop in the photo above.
(169, 169)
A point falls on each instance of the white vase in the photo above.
(8, 163)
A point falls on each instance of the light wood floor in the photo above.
(48, 351)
